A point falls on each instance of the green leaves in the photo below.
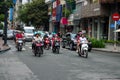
(1, 26)
(34, 12)
(97, 43)
(4, 5)
(2, 17)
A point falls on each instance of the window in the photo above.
(28, 30)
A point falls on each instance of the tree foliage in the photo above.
(2, 17)
(34, 13)
(68, 8)
(1, 25)
(4, 6)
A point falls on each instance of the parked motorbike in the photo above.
(56, 46)
(47, 43)
(38, 48)
(19, 44)
(84, 50)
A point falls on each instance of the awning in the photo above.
(64, 21)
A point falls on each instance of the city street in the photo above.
(67, 65)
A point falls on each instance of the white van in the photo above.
(28, 32)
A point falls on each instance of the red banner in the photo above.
(64, 21)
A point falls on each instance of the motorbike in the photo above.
(84, 50)
(47, 43)
(38, 48)
(19, 44)
(56, 46)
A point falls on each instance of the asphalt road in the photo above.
(68, 65)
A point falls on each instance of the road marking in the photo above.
(30, 47)
(23, 49)
(27, 45)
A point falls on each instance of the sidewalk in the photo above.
(3, 48)
(109, 48)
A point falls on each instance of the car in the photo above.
(29, 33)
(1, 32)
(10, 34)
(69, 41)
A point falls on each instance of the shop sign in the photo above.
(112, 25)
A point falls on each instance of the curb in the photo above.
(5, 50)
(106, 51)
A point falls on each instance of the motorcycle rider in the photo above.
(18, 35)
(78, 40)
(81, 40)
(36, 38)
(45, 37)
(55, 37)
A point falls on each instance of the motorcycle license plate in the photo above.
(20, 41)
(38, 44)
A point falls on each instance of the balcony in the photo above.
(93, 10)
(90, 10)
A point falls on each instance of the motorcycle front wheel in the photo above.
(86, 53)
(47, 46)
(79, 52)
(19, 48)
(39, 51)
(57, 50)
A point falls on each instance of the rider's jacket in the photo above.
(37, 38)
(19, 35)
(83, 39)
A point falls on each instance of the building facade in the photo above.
(96, 18)
(55, 14)
(16, 12)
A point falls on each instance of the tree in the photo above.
(4, 4)
(35, 13)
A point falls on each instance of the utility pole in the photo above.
(6, 20)
(5, 26)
